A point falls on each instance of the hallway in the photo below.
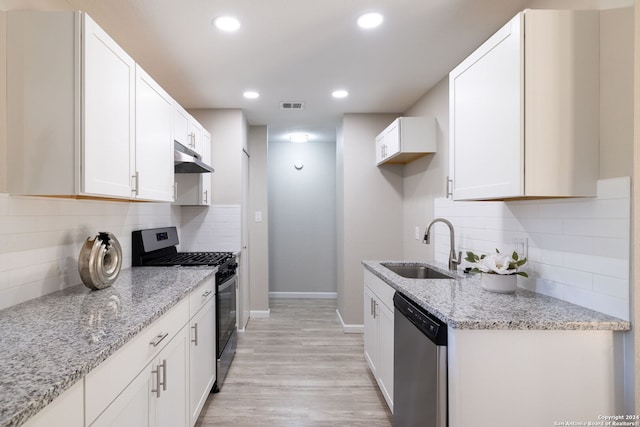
(297, 368)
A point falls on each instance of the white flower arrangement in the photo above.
(497, 263)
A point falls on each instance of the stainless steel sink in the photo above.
(415, 271)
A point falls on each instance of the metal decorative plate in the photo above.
(100, 261)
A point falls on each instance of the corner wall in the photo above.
(258, 231)
(369, 209)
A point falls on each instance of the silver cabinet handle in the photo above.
(175, 191)
(375, 309)
(164, 375)
(136, 183)
(206, 294)
(195, 334)
(206, 196)
(449, 188)
(371, 306)
(157, 389)
(158, 339)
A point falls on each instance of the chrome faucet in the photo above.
(453, 261)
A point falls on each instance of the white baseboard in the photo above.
(260, 314)
(317, 295)
(350, 329)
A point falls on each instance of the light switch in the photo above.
(258, 216)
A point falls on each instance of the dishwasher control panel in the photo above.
(429, 324)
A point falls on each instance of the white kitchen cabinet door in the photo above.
(379, 333)
(67, 410)
(370, 331)
(195, 130)
(486, 118)
(108, 88)
(153, 176)
(181, 125)
(524, 110)
(132, 408)
(202, 355)
(385, 337)
(170, 405)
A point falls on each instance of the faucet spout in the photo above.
(453, 261)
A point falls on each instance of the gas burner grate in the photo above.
(193, 259)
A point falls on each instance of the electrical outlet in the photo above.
(521, 246)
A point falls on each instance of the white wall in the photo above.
(424, 179)
(258, 231)
(228, 129)
(371, 209)
(302, 220)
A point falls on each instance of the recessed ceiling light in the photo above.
(226, 23)
(340, 93)
(251, 94)
(370, 20)
(298, 137)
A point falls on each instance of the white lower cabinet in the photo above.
(65, 411)
(378, 332)
(163, 376)
(533, 378)
(202, 351)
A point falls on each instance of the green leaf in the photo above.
(522, 262)
(514, 255)
(497, 251)
(522, 273)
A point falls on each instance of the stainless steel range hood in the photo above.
(188, 161)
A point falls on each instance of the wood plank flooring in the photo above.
(297, 368)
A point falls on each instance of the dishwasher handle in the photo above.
(432, 327)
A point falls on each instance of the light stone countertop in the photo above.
(463, 304)
(49, 343)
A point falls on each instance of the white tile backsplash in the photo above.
(216, 228)
(41, 238)
(578, 249)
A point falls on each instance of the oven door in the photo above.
(225, 313)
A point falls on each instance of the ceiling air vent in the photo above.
(292, 105)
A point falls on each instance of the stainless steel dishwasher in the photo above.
(419, 366)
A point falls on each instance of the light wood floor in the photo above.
(297, 368)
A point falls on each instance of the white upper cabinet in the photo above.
(524, 110)
(187, 130)
(107, 113)
(406, 139)
(181, 125)
(70, 120)
(153, 177)
(195, 188)
(89, 123)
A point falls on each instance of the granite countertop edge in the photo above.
(561, 315)
(21, 412)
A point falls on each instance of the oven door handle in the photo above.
(227, 283)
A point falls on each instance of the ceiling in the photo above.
(296, 50)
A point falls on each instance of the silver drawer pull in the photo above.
(206, 294)
(157, 340)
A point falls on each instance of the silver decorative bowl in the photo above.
(100, 261)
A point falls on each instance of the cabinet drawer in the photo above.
(383, 291)
(201, 295)
(104, 384)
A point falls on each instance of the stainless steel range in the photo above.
(157, 247)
